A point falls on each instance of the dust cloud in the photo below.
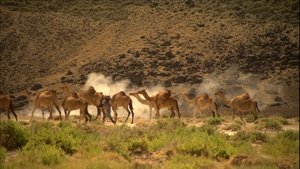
(232, 81)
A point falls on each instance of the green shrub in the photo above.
(138, 147)
(51, 155)
(13, 135)
(285, 145)
(180, 161)
(64, 137)
(215, 121)
(2, 155)
(200, 143)
(271, 124)
(43, 153)
(250, 136)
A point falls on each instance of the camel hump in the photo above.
(245, 96)
(75, 95)
(122, 92)
(91, 89)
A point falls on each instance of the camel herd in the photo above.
(47, 99)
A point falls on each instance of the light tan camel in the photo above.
(161, 100)
(122, 100)
(90, 95)
(143, 101)
(242, 103)
(74, 102)
(202, 102)
(46, 100)
(6, 104)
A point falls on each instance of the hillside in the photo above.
(186, 45)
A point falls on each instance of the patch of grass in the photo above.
(271, 124)
(2, 155)
(138, 147)
(285, 145)
(13, 135)
(236, 126)
(215, 121)
(199, 143)
(188, 161)
(252, 136)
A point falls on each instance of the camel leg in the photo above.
(132, 116)
(98, 112)
(32, 113)
(57, 108)
(7, 113)
(16, 117)
(127, 115)
(115, 115)
(50, 110)
(150, 110)
(172, 112)
(157, 112)
(66, 115)
(241, 116)
(43, 114)
(233, 114)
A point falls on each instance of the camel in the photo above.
(6, 104)
(122, 100)
(74, 102)
(44, 100)
(90, 95)
(143, 101)
(242, 103)
(162, 99)
(202, 102)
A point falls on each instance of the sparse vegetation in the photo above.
(185, 147)
(271, 124)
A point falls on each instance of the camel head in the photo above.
(220, 93)
(141, 91)
(133, 94)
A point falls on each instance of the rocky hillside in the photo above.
(149, 42)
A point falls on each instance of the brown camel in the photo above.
(202, 102)
(143, 101)
(242, 103)
(122, 100)
(74, 102)
(161, 100)
(90, 95)
(6, 104)
(46, 100)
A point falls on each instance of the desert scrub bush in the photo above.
(42, 154)
(2, 155)
(284, 145)
(272, 124)
(180, 161)
(200, 143)
(236, 126)
(63, 136)
(215, 121)
(167, 124)
(137, 147)
(251, 136)
(13, 135)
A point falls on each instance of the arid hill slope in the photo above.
(151, 42)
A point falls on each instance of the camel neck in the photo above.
(187, 99)
(143, 101)
(147, 97)
(223, 97)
